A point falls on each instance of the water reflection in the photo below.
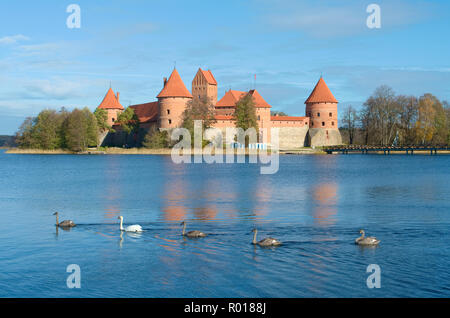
(325, 201)
(113, 194)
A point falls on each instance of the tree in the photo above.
(425, 128)
(47, 130)
(198, 109)
(349, 122)
(380, 117)
(25, 135)
(156, 139)
(102, 119)
(245, 115)
(80, 130)
(408, 107)
(128, 120)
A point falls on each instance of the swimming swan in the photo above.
(132, 228)
(65, 223)
(191, 233)
(268, 241)
(370, 240)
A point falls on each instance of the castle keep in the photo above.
(318, 128)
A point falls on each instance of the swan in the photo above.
(132, 228)
(65, 223)
(370, 240)
(268, 241)
(191, 233)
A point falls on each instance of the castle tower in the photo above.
(172, 101)
(112, 106)
(321, 108)
(204, 84)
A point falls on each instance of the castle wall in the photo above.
(171, 110)
(318, 137)
(291, 137)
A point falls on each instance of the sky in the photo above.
(131, 45)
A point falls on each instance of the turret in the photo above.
(321, 107)
(111, 105)
(172, 101)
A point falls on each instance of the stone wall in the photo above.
(323, 137)
(291, 137)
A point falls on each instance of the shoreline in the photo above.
(144, 151)
(168, 151)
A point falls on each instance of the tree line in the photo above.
(388, 119)
(51, 129)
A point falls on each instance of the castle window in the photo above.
(168, 112)
(318, 114)
(113, 120)
(170, 121)
(332, 123)
(331, 114)
(259, 118)
(323, 123)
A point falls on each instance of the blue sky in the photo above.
(287, 44)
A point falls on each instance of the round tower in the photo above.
(172, 101)
(321, 107)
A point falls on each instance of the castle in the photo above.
(318, 128)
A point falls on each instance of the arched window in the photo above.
(323, 123)
(318, 114)
(170, 121)
(331, 114)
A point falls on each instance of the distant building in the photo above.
(318, 128)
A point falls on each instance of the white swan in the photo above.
(132, 228)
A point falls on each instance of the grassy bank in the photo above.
(110, 151)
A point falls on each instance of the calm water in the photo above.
(314, 204)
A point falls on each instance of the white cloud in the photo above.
(13, 39)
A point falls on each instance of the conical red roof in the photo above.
(174, 87)
(110, 101)
(321, 94)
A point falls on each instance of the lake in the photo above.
(315, 205)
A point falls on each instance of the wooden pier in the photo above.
(409, 150)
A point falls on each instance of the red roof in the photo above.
(321, 94)
(232, 97)
(259, 101)
(287, 118)
(146, 112)
(110, 101)
(209, 77)
(174, 87)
